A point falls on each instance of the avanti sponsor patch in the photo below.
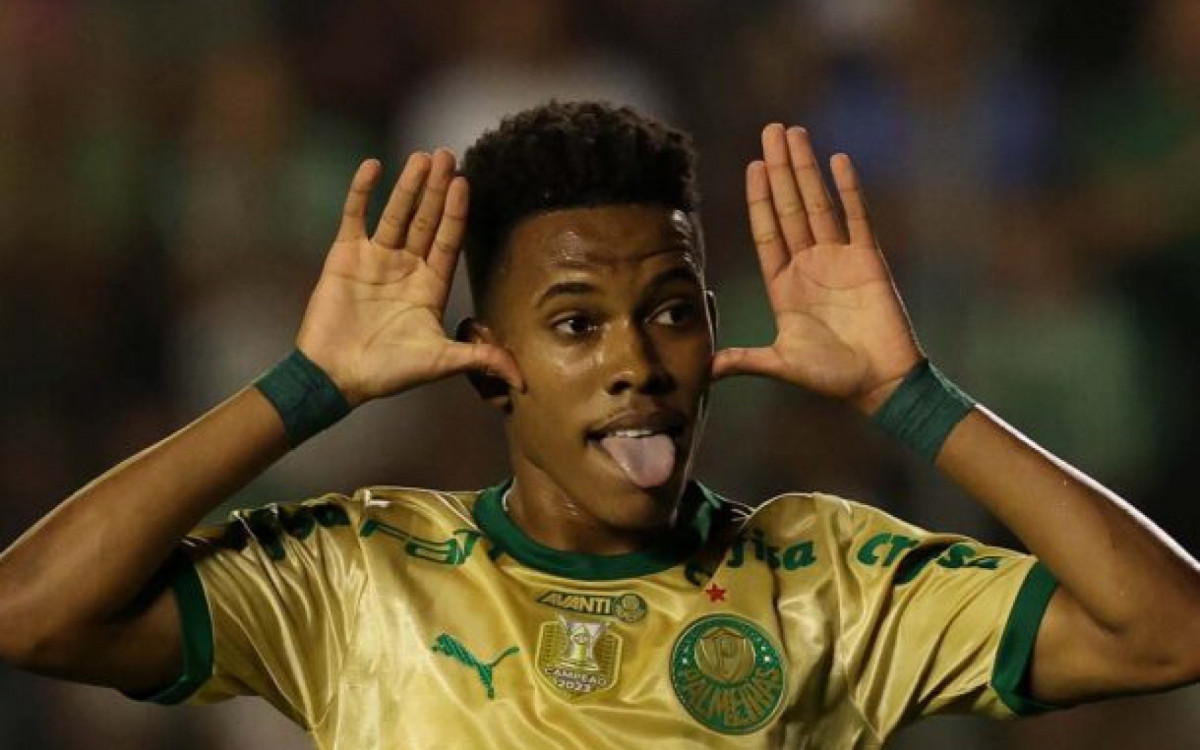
(626, 607)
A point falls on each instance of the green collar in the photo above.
(696, 519)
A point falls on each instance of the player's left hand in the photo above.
(842, 329)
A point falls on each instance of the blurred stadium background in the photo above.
(171, 174)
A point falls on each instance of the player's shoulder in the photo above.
(821, 513)
(269, 526)
(331, 514)
(416, 508)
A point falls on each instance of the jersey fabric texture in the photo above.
(413, 618)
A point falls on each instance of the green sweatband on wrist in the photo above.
(923, 410)
(306, 398)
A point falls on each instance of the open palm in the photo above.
(842, 330)
(374, 321)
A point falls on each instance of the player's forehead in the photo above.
(615, 244)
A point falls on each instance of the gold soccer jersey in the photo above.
(405, 618)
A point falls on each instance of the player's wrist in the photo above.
(923, 409)
(305, 396)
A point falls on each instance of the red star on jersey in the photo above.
(715, 593)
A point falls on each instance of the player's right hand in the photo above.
(374, 321)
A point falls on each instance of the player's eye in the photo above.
(675, 314)
(574, 326)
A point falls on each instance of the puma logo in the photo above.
(450, 646)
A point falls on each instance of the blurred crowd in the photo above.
(171, 176)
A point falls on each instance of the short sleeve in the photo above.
(935, 623)
(267, 604)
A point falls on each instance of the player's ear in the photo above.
(710, 301)
(492, 390)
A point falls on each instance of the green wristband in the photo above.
(923, 410)
(306, 398)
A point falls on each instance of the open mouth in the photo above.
(647, 456)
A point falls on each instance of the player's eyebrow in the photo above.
(566, 287)
(674, 273)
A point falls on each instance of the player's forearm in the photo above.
(89, 558)
(1130, 577)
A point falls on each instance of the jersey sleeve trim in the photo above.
(1010, 675)
(196, 628)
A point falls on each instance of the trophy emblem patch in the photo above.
(578, 657)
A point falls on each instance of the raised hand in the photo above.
(374, 321)
(842, 330)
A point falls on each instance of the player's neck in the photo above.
(549, 515)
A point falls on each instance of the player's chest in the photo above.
(480, 647)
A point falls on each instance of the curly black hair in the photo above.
(568, 155)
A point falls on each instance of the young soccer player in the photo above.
(600, 597)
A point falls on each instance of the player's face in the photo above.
(605, 311)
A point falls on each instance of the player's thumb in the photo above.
(745, 361)
(491, 361)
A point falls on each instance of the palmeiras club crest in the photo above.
(727, 674)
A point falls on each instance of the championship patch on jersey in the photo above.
(727, 674)
(578, 657)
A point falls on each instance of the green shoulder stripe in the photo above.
(1010, 674)
(196, 627)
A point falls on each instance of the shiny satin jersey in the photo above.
(408, 618)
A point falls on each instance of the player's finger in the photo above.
(393, 223)
(785, 194)
(488, 359)
(354, 211)
(429, 212)
(447, 243)
(822, 216)
(772, 253)
(845, 176)
(762, 361)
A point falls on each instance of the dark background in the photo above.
(171, 176)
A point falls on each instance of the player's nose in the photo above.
(634, 362)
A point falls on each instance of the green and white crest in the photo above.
(727, 674)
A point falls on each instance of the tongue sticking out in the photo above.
(647, 461)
